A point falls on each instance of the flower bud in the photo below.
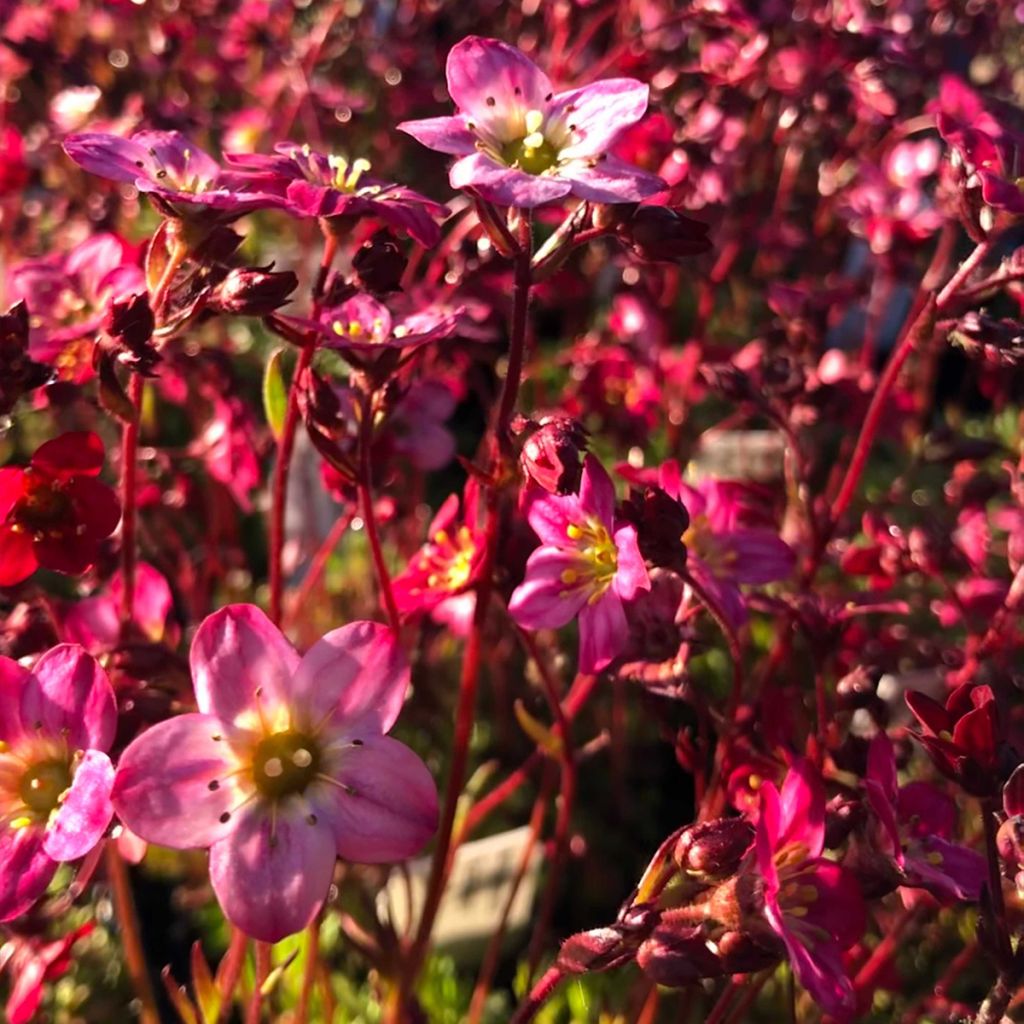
(661, 234)
(552, 455)
(380, 264)
(251, 291)
(19, 374)
(660, 523)
(713, 849)
(129, 325)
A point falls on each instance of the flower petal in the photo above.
(69, 694)
(610, 181)
(506, 186)
(272, 877)
(85, 811)
(17, 555)
(443, 134)
(79, 453)
(597, 493)
(235, 652)
(108, 156)
(598, 113)
(96, 506)
(390, 812)
(12, 487)
(803, 809)
(603, 632)
(494, 85)
(543, 600)
(25, 870)
(359, 672)
(12, 679)
(164, 788)
(631, 573)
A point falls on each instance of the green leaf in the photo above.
(275, 394)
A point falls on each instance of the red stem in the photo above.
(129, 479)
(369, 516)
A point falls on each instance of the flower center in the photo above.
(285, 763)
(43, 784)
(532, 153)
(45, 509)
(598, 557)
(346, 176)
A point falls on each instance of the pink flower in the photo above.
(31, 962)
(917, 821)
(521, 144)
(95, 621)
(56, 724)
(285, 767)
(584, 567)
(439, 576)
(811, 903)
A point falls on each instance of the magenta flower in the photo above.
(172, 170)
(285, 767)
(440, 575)
(56, 723)
(315, 185)
(585, 566)
(521, 144)
(917, 821)
(69, 297)
(812, 904)
(728, 542)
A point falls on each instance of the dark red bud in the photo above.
(713, 849)
(250, 291)
(18, 373)
(380, 264)
(552, 455)
(661, 234)
(660, 523)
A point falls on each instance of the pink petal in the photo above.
(610, 181)
(85, 811)
(235, 652)
(444, 134)
(803, 809)
(69, 693)
(599, 113)
(631, 574)
(12, 679)
(162, 785)
(153, 599)
(820, 970)
(838, 909)
(603, 632)
(946, 870)
(506, 186)
(551, 515)
(25, 870)
(597, 493)
(769, 824)
(360, 672)
(483, 70)
(271, 880)
(882, 765)
(391, 811)
(542, 600)
(94, 623)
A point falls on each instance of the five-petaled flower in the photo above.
(812, 904)
(318, 185)
(56, 723)
(522, 144)
(916, 822)
(285, 767)
(181, 179)
(54, 512)
(587, 565)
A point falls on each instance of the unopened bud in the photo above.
(552, 455)
(380, 263)
(250, 291)
(660, 523)
(714, 849)
(18, 373)
(661, 234)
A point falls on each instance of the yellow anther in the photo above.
(441, 537)
(755, 782)
(21, 823)
(934, 858)
(570, 576)
(797, 911)
(808, 894)
(359, 168)
(573, 531)
(533, 141)
(534, 119)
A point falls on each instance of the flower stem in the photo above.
(131, 938)
(309, 971)
(369, 516)
(254, 1013)
(286, 444)
(469, 677)
(538, 996)
(129, 480)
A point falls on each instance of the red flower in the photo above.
(54, 512)
(962, 738)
